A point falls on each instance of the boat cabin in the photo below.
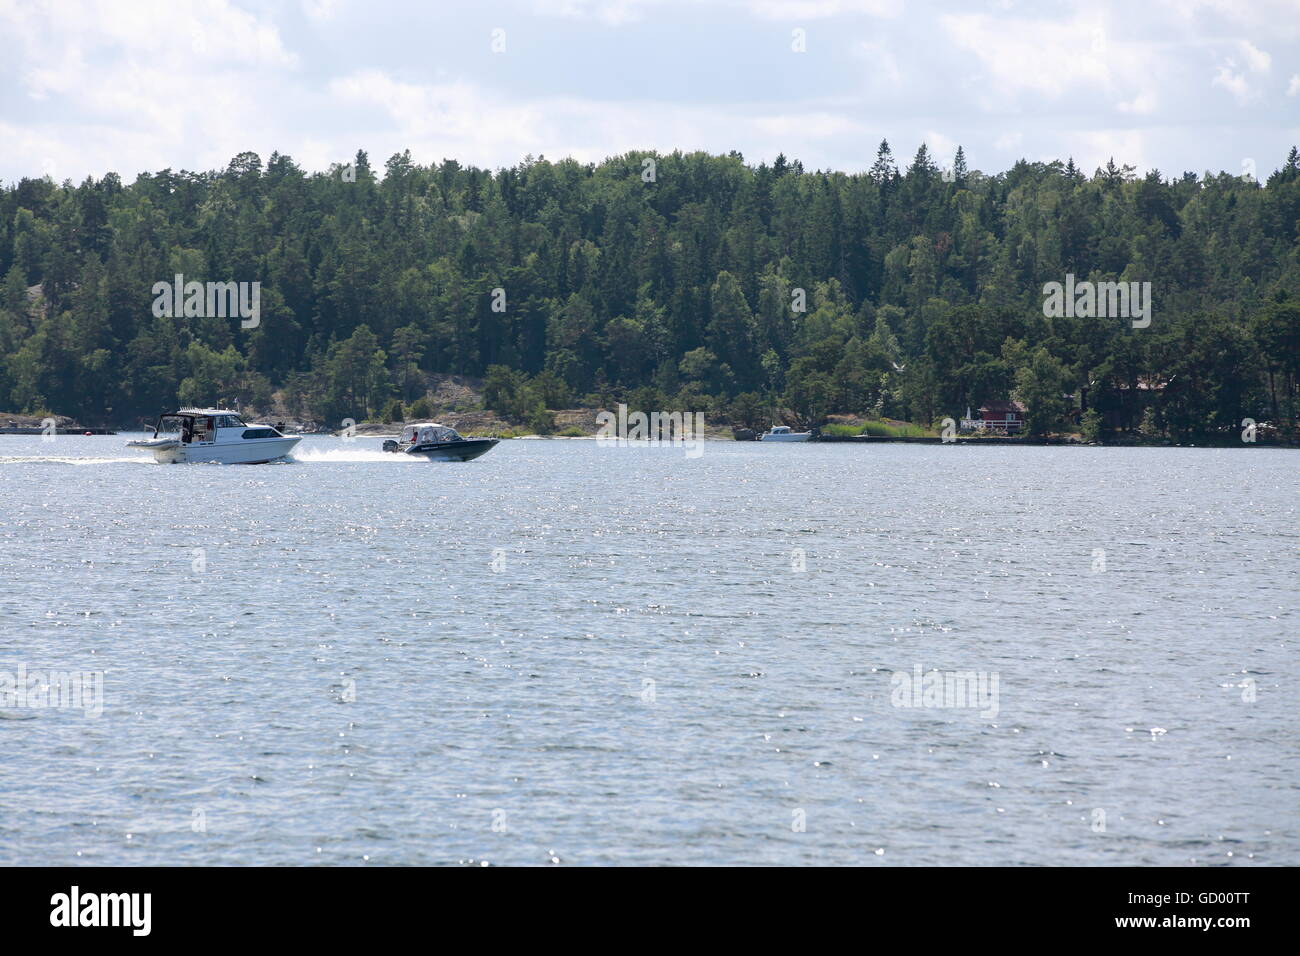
(202, 426)
(427, 433)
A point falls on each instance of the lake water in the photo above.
(565, 653)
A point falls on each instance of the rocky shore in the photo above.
(12, 423)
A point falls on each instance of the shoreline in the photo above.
(1054, 440)
(23, 425)
(61, 430)
(838, 439)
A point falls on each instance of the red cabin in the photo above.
(1002, 416)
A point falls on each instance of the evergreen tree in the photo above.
(826, 291)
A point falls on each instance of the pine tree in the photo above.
(883, 170)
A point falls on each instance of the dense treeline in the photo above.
(669, 281)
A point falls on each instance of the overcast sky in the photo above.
(131, 85)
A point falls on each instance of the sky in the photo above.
(139, 85)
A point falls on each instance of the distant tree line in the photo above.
(709, 285)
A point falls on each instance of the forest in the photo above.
(683, 281)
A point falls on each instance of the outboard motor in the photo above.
(390, 445)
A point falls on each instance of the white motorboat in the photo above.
(783, 433)
(438, 443)
(216, 435)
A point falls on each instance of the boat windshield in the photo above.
(422, 434)
(169, 425)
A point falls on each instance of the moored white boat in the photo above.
(214, 435)
(783, 433)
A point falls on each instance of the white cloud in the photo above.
(1234, 82)
(94, 86)
(1273, 18)
(942, 148)
(1142, 105)
(609, 12)
(619, 12)
(455, 119)
(476, 125)
(163, 35)
(802, 126)
(1092, 149)
(1009, 142)
(321, 10)
(119, 91)
(882, 64)
(1039, 56)
(820, 9)
(1256, 59)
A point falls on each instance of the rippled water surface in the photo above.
(590, 655)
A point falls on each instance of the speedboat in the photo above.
(439, 443)
(783, 433)
(214, 434)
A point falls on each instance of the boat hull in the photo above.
(465, 450)
(251, 451)
(790, 436)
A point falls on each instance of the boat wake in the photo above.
(313, 456)
(310, 456)
(57, 460)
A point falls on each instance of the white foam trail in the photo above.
(310, 456)
(55, 460)
(331, 455)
